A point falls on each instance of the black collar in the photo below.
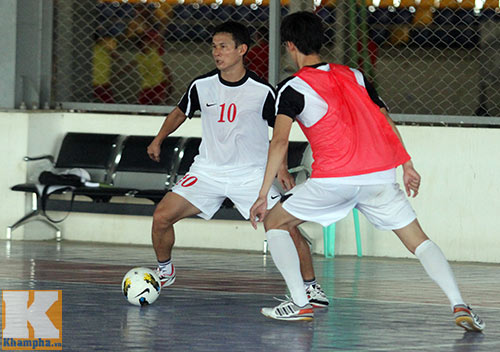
(233, 84)
(317, 65)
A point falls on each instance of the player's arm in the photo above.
(277, 152)
(171, 123)
(411, 177)
(286, 180)
(186, 107)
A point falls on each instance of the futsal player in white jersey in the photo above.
(236, 108)
(356, 148)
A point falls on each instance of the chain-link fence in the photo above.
(424, 56)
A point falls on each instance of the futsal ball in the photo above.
(141, 286)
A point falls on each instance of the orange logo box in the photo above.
(31, 320)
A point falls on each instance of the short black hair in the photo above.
(305, 30)
(240, 32)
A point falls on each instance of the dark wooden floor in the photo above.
(377, 304)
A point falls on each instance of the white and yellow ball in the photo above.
(141, 286)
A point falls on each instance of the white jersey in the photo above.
(235, 118)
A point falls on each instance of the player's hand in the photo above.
(258, 211)
(285, 179)
(411, 179)
(154, 150)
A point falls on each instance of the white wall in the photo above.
(13, 146)
(457, 205)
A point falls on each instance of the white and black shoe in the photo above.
(287, 310)
(317, 296)
(166, 280)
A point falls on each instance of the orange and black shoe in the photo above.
(467, 319)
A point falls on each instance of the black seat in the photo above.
(190, 151)
(150, 179)
(93, 152)
(90, 151)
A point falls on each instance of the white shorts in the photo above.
(207, 193)
(324, 201)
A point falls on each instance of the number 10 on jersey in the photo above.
(230, 115)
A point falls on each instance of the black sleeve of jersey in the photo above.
(193, 98)
(291, 103)
(268, 112)
(373, 94)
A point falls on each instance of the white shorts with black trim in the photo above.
(324, 201)
(207, 193)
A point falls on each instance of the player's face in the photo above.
(225, 52)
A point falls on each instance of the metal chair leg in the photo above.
(329, 237)
(355, 215)
(329, 241)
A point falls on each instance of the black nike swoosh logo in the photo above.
(209, 105)
(274, 197)
(146, 290)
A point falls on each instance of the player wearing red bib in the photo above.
(356, 148)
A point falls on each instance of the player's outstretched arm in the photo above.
(171, 123)
(411, 178)
(276, 154)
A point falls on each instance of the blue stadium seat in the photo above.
(125, 11)
(261, 13)
(443, 37)
(199, 33)
(205, 12)
(185, 32)
(173, 32)
(379, 16)
(105, 10)
(223, 13)
(465, 16)
(490, 14)
(467, 38)
(444, 17)
(243, 13)
(402, 16)
(330, 35)
(422, 36)
(327, 14)
(181, 12)
(379, 34)
(284, 11)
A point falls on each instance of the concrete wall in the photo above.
(457, 206)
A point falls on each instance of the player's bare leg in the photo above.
(304, 252)
(171, 209)
(315, 293)
(439, 270)
(411, 235)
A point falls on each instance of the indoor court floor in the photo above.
(377, 304)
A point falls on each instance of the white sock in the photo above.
(165, 267)
(437, 267)
(286, 259)
(312, 282)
